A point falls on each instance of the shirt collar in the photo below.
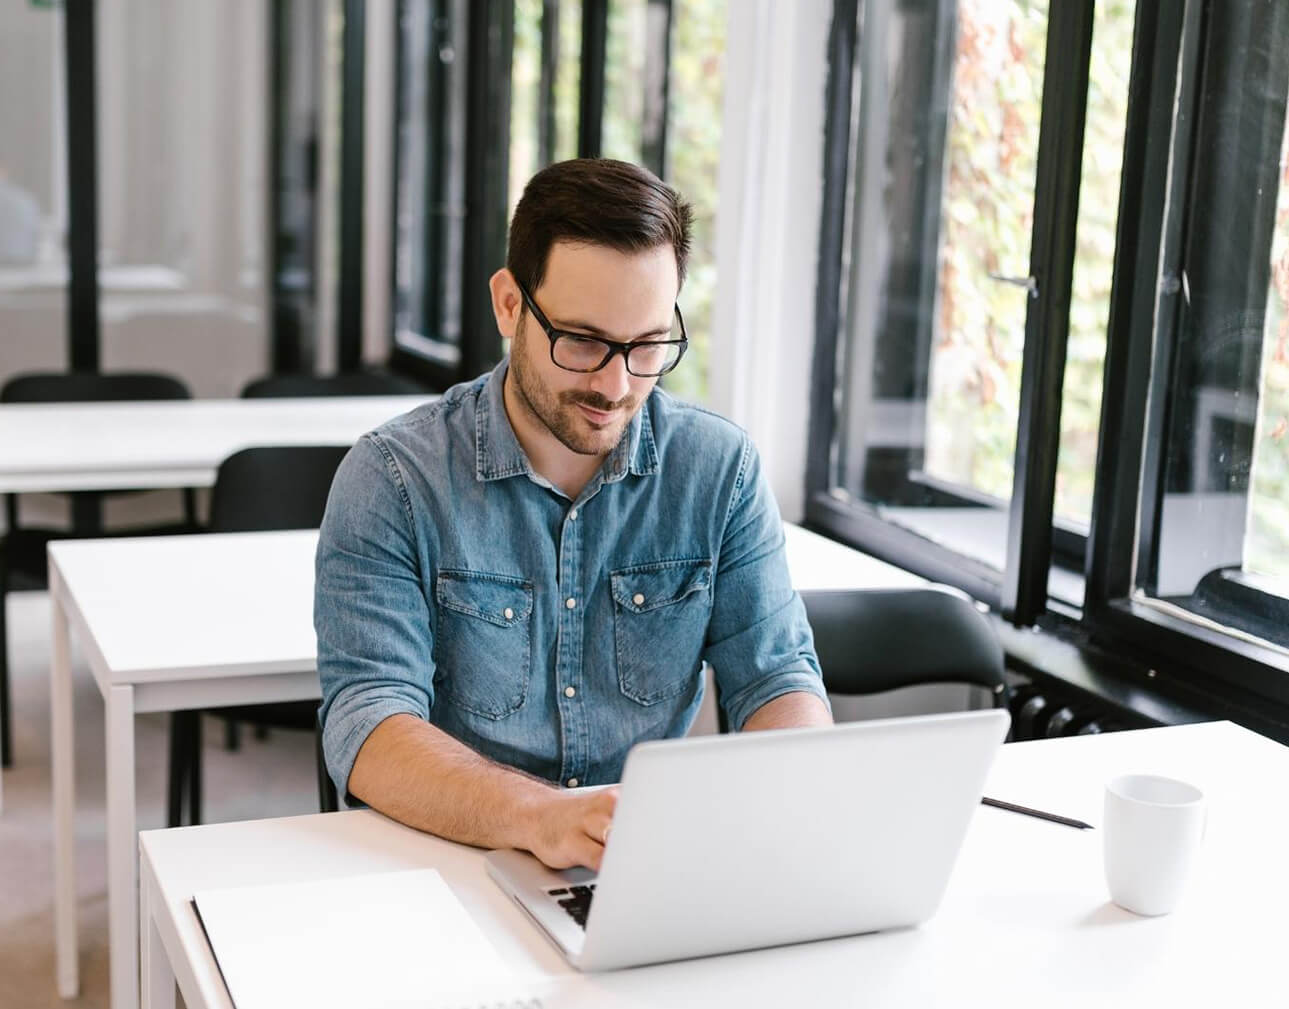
(498, 453)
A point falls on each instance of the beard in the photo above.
(558, 411)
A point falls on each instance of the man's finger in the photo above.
(597, 827)
(588, 852)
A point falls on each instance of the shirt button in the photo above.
(572, 783)
(638, 599)
(572, 515)
(509, 613)
(570, 602)
(570, 692)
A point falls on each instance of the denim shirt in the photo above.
(457, 585)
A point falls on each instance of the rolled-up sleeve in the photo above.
(369, 609)
(758, 640)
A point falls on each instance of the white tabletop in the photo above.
(1026, 919)
(172, 443)
(168, 607)
(161, 607)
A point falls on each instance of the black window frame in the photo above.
(1020, 590)
(1145, 641)
(490, 43)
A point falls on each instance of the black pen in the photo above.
(1036, 812)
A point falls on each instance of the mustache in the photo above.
(595, 401)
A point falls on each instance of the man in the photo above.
(521, 580)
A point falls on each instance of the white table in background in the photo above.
(47, 447)
(169, 443)
(1025, 921)
(176, 622)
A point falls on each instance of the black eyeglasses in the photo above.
(581, 352)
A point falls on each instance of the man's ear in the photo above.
(507, 302)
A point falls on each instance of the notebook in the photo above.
(390, 940)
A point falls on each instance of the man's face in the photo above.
(602, 292)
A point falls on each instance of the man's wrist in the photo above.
(526, 800)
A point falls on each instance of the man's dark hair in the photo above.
(600, 202)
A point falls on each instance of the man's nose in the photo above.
(613, 381)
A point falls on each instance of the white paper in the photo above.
(381, 941)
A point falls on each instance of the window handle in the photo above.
(1029, 283)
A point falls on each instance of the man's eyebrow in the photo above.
(590, 330)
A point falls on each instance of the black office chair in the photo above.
(359, 383)
(22, 550)
(257, 489)
(873, 640)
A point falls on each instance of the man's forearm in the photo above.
(419, 775)
(796, 710)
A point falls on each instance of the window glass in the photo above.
(183, 96)
(568, 79)
(33, 186)
(430, 179)
(525, 98)
(1214, 543)
(624, 81)
(1107, 111)
(941, 216)
(694, 114)
(1267, 552)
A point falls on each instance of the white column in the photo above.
(767, 230)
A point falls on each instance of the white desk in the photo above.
(172, 443)
(1026, 920)
(176, 443)
(174, 622)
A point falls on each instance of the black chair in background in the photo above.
(359, 383)
(22, 550)
(255, 490)
(873, 640)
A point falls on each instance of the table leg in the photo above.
(158, 976)
(122, 851)
(64, 784)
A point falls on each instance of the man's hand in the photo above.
(419, 775)
(571, 827)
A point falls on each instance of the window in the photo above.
(548, 65)
(1054, 317)
(430, 181)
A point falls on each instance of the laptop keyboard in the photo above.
(576, 900)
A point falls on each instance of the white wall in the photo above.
(767, 226)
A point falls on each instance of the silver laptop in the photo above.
(724, 843)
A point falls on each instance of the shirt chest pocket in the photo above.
(483, 643)
(660, 615)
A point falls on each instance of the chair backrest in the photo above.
(81, 387)
(359, 383)
(283, 487)
(873, 640)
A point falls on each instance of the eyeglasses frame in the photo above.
(612, 347)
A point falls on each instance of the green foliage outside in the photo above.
(991, 154)
(1267, 541)
(987, 221)
(694, 113)
(695, 102)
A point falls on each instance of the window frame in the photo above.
(1230, 672)
(489, 42)
(1020, 589)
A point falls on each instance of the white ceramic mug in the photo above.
(1152, 829)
